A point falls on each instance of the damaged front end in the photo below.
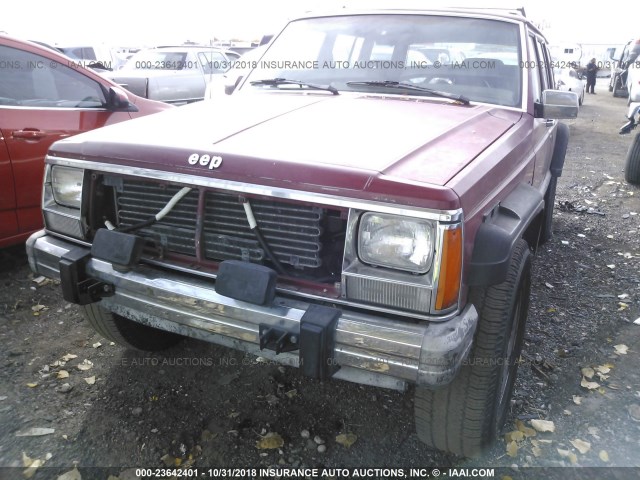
(269, 275)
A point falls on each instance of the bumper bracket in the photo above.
(277, 339)
(77, 287)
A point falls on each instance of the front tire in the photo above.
(465, 416)
(125, 332)
(632, 162)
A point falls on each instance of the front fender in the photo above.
(498, 234)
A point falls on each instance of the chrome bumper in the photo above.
(369, 349)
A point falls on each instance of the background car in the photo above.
(568, 79)
(622, 60)
(46, 96)
(177, 75)
(633, 82)
(98, 57)
(227, 82)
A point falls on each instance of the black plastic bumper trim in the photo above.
(317, 341)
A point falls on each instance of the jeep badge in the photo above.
(214, 161)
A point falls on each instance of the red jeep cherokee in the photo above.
(364, 206)
(45, 96)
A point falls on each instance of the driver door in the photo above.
(41, 101)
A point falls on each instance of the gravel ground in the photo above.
(93, 404)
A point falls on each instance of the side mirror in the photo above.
(97, 65)
(611, 52)
(265, 39)
(559, 104)
(118, 101)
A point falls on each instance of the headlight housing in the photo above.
(391, 241)
(62, 200)
(66, 184)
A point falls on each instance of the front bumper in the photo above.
(369, 349)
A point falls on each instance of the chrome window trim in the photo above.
(275, 192)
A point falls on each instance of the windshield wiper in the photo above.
(285, 81)
(409, 86)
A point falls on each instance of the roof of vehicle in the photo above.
(5, 37)
(517, 15)
(33, 46)
(184, 47)
(44, 44)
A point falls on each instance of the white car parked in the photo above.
(633, 82)
(176, 75)
(569, 79)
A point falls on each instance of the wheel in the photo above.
(547, 214)
(632, 163)
(465, 416)
(617, 86)
(128, 333)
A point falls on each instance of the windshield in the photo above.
(476, 58)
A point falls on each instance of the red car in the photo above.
(44, 96)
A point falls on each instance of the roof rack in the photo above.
(510, 11)
(189, 45)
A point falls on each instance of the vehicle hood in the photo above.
(344, 143)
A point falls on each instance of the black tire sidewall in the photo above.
(517, 285)
(519, 305)
(465, 416)
(143, 337)
(632, 162)
(125, 332)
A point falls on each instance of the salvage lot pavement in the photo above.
(70, 398)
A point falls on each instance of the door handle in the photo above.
(29, 134)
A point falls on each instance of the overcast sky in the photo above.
(144, 23)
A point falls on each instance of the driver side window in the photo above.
(29, 80)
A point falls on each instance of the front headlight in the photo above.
(66, 184)
(61, 200)
(396, 242)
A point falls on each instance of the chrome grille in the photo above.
(292, 231)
